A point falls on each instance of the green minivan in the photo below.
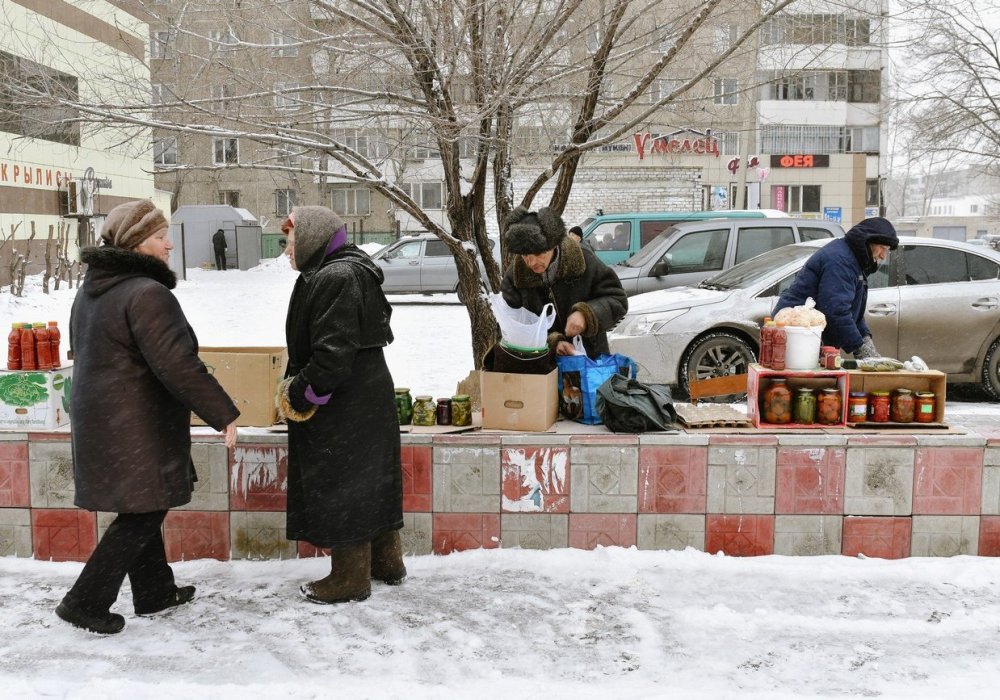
(617, 237)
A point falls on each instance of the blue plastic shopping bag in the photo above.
(579, 377)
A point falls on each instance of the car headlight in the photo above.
(646, 324)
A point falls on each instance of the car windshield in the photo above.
(650, 250)
(747, 273)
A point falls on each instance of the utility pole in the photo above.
(749, 124)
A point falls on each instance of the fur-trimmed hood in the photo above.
(109, 266)
(571, 265)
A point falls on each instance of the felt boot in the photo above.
(176, 597)
(349, 579)
(387, 559)
(99, 623)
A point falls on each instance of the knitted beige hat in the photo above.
(129, 224)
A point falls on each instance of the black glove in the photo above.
(866, 350)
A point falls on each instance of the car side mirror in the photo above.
(660, 269)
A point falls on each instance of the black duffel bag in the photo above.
(629, 406)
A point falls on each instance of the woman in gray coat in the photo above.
(136, 379)
(345, 482)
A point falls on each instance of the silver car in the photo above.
(421, 264)
(934, 298)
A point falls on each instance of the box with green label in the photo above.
(35, 400)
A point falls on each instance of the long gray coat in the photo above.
(344, 473)
(136, 379)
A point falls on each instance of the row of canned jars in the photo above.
(423, 410)
(899, 406)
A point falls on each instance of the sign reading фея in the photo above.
(801, 161)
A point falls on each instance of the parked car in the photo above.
(421, 264)
(687, 253)
(617, 237)
(937, 299)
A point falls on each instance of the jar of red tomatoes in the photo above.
(926, 407)
(878, 406)
(857, 407)
(829, 406)
(776, 402)
(902, 406)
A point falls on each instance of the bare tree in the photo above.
(461, 81)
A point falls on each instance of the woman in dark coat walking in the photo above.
(136, 379)
(344, 475)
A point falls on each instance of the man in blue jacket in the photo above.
(836, 277)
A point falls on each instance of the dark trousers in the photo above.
(132, 546)
(220, 260)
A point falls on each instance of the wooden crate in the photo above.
(759, 379)
(931, 380)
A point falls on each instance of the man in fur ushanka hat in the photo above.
(552, 267)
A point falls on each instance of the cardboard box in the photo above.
(759, 379)
(250, 376)
(931, 380)
(525, 402)
(35, 400)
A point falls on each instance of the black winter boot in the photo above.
(387, 559)
(100, 623)
(349, 579)
(178, 596)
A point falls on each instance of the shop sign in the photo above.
(20, 174)
(734, 164)
(801, 161)
(778, 197)
(679, 143)
(834, 214)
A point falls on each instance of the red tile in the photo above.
(810, 480)
(308, 550)
(743, 439)
(456, 532)
(15, 491)
(588, 530)
(417, 485)
(989, 536)
(259, 478)
(192, 534)
(673, 479)
(948, 481)
(885, 538)
(65, 534)
(739, 535)
(534, 479)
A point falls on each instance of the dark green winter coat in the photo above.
(583, 283)
(136, 379)
(344, 473)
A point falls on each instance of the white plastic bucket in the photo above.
(802, 347)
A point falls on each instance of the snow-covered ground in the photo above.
(611, 623)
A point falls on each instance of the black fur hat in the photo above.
(532, 233)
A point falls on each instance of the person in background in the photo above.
(219, 246)
(576, 233)
(136, 379)
(345, 480)
(836, 277)
(551, 266)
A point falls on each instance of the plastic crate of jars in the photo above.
(760, 379)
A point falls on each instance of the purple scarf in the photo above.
(338, 241)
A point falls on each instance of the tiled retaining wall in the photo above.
(886, 496)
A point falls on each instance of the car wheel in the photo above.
(717, 354)
(991, 371)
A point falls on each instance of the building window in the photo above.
(53, 122)
(165, 151)
(284, 201)
(222, 97)
(159, 44)
(287, 154)
(796, 198)
(285, 96)
(724, 91)
(724, 37)
(864, 86)
(352, 201)
(222, 40)
(285, 45)
(230, 197)
(424, 153)
(160, 93)
(872, 198)
(660, 88)
(225, 151)
(355, 139)
(427, 195)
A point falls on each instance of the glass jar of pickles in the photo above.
(776, 402)
(404, 406)
(461, 410)
(878, 406)
(424, 411)
(829, 406)
(926, 407)
(804, 406)
(902, 406)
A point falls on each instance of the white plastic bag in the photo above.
(521, 328)
(804, 316)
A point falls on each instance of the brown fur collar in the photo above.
(571, 264)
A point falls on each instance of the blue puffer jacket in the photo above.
(836, 277)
